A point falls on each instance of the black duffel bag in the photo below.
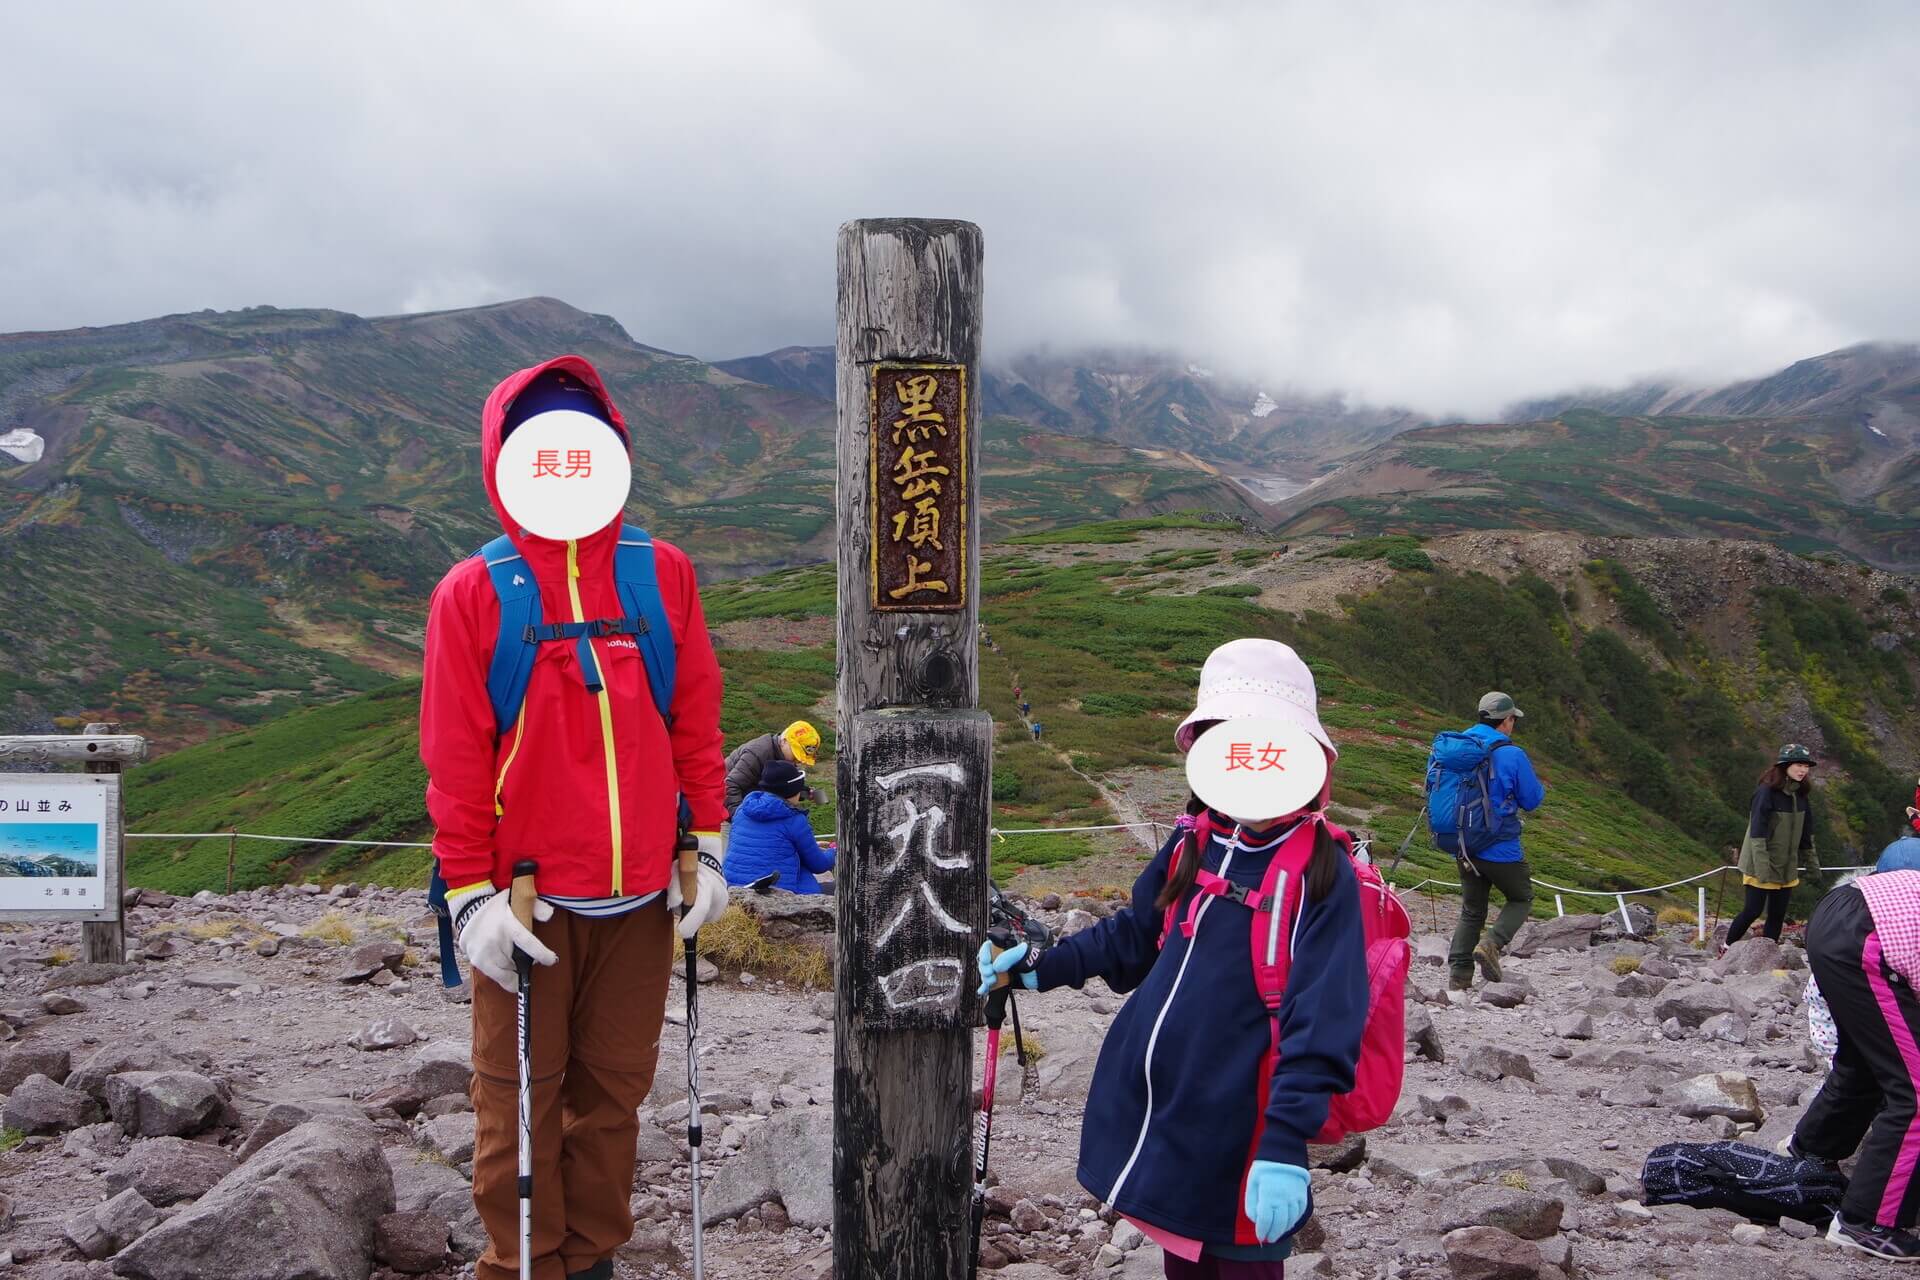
(1748, 1180)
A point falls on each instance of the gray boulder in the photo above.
(451, 1136)
(443, 1066)
(1758, 955)
(1692, 1003)
(1529, 1216)
(1730, 1028)
(1423, 1038)
(129, 1055)
(1721, 1093)
(23, 1060)
(411, 1242)
(370, 958)
(1505, 995)
(38, 1105)
(385, 1033)
(86, 974)
(169, 1170)
(419, 1180)
(789, 1159)
(1574, 1026)
(1488, 1253)
(104, 1229)
(304, 1208)
(151, 1104)
(285, 1117)
(1563, 933)
(1485, 1062)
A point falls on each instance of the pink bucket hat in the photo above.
(1254, 677)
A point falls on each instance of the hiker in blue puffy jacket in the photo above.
(1512, 786)
(1202, 1102)
(771, 834)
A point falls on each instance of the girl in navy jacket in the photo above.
(1178, 1134)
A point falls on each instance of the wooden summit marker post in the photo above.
(915, 755)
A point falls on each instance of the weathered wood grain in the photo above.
(908, 290)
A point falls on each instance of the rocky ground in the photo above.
(274, 1085)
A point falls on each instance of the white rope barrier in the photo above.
(1619, 895)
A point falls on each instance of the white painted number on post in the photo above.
(919, 847)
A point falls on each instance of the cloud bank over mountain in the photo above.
(1445, 207)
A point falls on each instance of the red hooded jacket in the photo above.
(587, 784)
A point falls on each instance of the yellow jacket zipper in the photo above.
(606, 716)
(500, 782)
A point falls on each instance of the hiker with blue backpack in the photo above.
(569, 719)
(1248, 949)
(1478, 784)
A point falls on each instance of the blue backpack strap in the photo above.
(639, 584)
(514, 648)
(437, 899)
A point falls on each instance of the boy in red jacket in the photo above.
(587, 783)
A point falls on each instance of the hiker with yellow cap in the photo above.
(798, 743)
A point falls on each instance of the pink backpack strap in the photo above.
(1271, 932)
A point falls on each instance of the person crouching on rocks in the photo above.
(1863, 944)
(1779, 834)
(1202, 1102)
(772, 837)
(798, 743)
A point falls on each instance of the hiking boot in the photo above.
(1489, 957)
(1460, 982)
(601, 1270)
(1870, 1237)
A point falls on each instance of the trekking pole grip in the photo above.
(687, 854)
(521, 895)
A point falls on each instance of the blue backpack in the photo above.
(1460, 810)
(522, 632)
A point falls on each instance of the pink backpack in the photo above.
(1275, 908)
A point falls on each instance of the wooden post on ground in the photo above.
(233, 838)
(105, 941)
(915, 755)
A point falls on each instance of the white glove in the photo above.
(489, 933)
(710, 898)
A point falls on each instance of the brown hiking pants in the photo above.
(596, 1018)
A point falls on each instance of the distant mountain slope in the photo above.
(1875, 383)
(1803, 483)
(206, 515)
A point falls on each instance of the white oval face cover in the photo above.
(563, 474)
(1256, 769)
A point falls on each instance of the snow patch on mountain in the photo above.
(1263, 404)
(23, 445)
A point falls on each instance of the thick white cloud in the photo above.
(1448, 206)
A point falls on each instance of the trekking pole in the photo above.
(1406, 844)
(688, 851)
(997, 1002)
(521, 897)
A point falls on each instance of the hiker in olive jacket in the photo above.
(1779, 835)
(798, 743)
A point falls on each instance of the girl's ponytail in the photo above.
(1185, 865)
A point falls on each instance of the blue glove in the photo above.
(1276, 1198)
(1014, 959)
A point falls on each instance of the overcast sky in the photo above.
(1447, 206)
